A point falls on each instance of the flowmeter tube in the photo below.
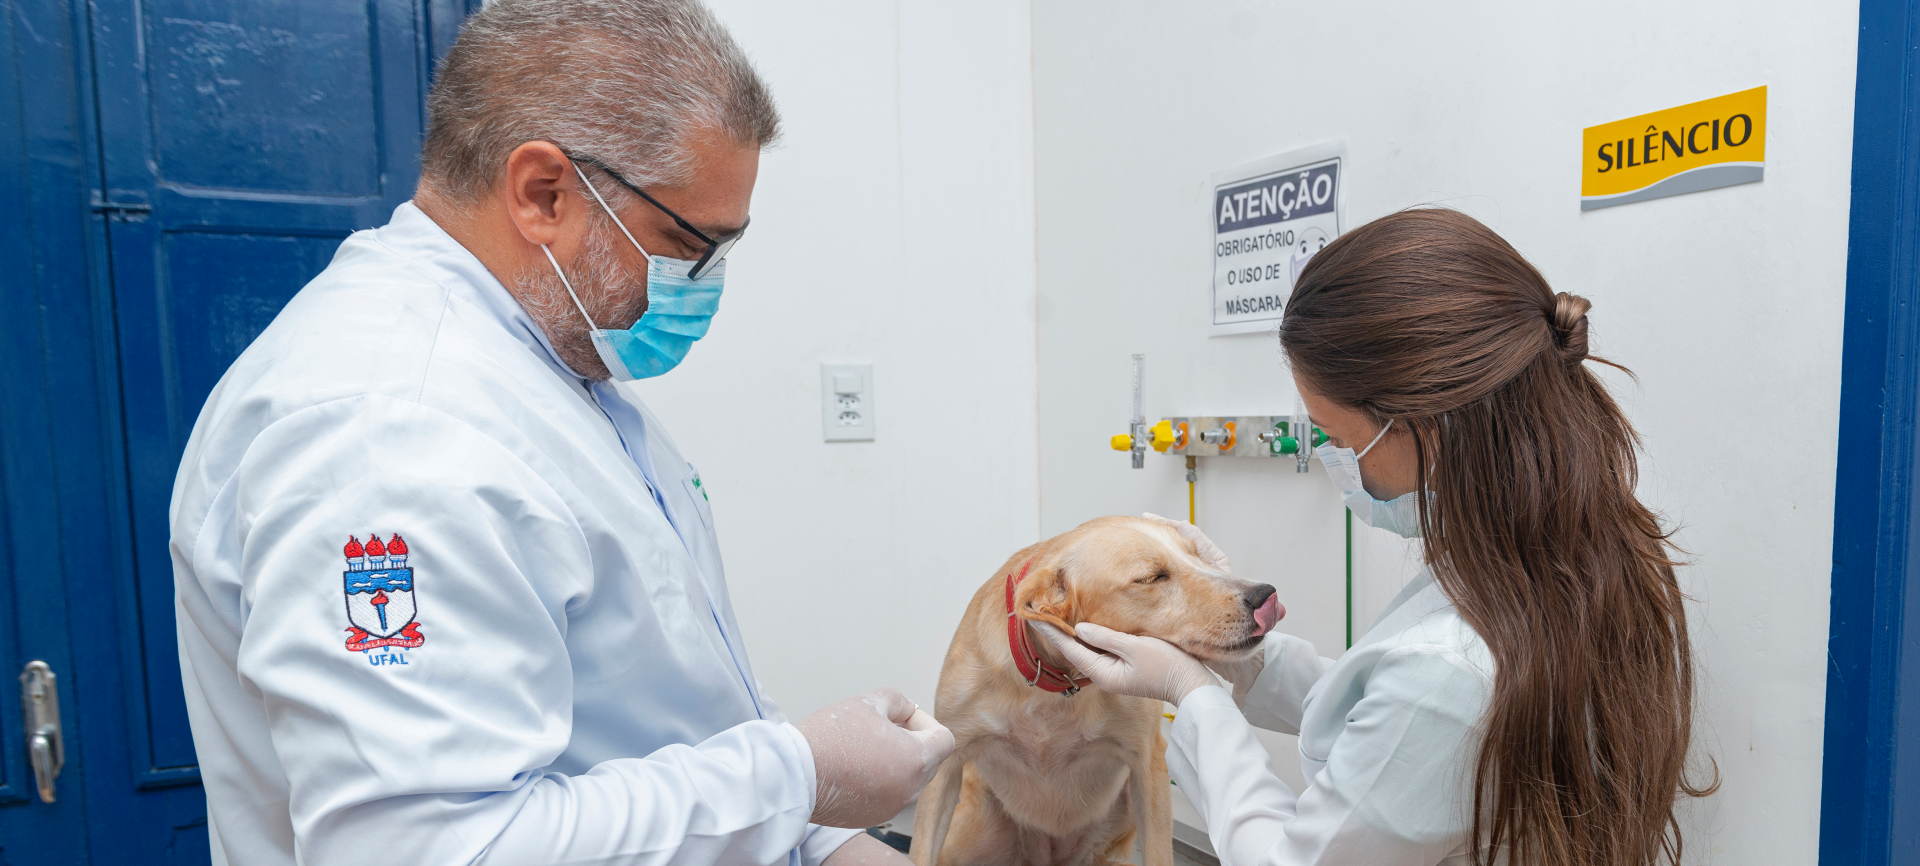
(1137, 437)
(1137, 430)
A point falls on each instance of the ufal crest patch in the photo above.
(382, 601)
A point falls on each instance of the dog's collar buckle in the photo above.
(1034, 669)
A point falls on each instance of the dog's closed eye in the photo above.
(1156, 577)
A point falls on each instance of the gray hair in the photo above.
(624, 81)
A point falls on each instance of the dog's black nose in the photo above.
(1258, 596)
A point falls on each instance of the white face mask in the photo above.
(1400, 516)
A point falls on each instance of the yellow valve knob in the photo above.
(1121, 442)
(1162, 435)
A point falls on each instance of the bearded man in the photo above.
(536, 660)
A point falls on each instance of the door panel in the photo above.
(268, 97)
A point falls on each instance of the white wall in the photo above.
(893, 225)
(1726, 303)
(939, 159)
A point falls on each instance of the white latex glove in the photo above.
(871, 756)
(1202, 545)
(1240, 673)
(864, 850)
(1145, 667)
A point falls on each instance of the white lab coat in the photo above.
(1388, 737)
(579, 693)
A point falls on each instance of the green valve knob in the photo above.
(1319, 437)
(1285, 445)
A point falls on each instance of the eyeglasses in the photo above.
(717, 248)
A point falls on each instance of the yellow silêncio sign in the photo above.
(1701, 145)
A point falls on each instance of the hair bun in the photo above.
(1569, 321)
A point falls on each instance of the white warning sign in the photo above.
(1269, 216)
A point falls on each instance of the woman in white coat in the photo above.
(1527, 699)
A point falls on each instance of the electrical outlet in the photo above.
(846, 402)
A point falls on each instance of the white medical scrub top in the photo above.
(550, 673)
(1388, 738)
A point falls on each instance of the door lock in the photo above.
(40, 709)
(120, 211)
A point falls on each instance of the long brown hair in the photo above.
(1531, 526)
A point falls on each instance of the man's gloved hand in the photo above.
(1146, 667)
(1202, 545)
(871, 756)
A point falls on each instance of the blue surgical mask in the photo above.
(679, 311)
(1400, 515)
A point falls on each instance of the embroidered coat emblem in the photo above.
(380, 595)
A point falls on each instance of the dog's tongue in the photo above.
(1268, 613)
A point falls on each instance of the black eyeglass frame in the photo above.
(717, 248)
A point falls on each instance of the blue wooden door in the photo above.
(218, 152)
(42, 250)
(1870, 791)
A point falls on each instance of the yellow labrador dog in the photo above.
(1050, 771)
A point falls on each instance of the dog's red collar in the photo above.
(1037, 672)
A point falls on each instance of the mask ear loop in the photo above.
(609, 210)
(1356, 457)
(565, 282)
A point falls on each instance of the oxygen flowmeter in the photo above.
(1217, 435)
(1282, 442)
(1228, 436)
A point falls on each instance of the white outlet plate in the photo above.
(846, 402)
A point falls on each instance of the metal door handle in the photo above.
(40, 709)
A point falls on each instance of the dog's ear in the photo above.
(1047, 595)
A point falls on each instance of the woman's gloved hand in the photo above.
(871, 756)
(1146, 667)
(1240, 673)
(1202, 545)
